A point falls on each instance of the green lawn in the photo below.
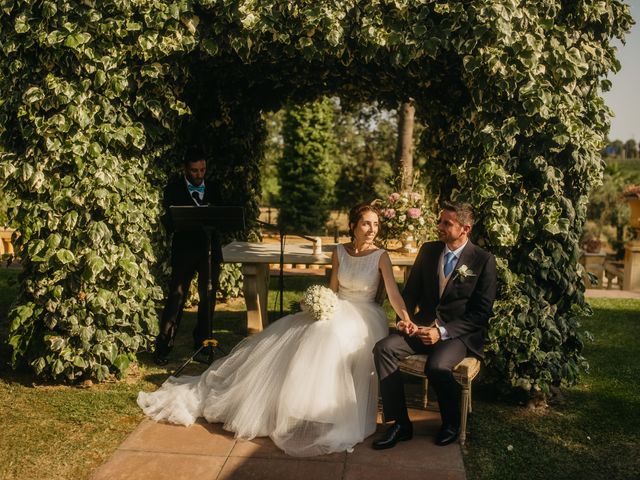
(65, 432)
(54, 431)
(593, 432)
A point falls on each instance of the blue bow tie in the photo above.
(199, 188)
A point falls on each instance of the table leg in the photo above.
(407, 272)
(256, 289)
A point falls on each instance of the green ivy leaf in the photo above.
(33, 95)
(76, 40)
(129, 266)
(21, 24)
(65, 256)
(94, 266)
(121, 362)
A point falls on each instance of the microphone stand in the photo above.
(282, 235)
(208, 219)
(210, 343)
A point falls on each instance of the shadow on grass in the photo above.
(510, 442)
(593, 433)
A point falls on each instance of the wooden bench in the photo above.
(464, 373)
(613, 270)
(593, 271)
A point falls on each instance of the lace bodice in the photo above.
(358, 277)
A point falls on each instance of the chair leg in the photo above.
(425, 393)
(470, 399)
(464, 410)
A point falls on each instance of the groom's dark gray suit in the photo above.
(463, 310)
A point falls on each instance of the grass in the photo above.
(59, 431)
(64, 432)
(593, 432)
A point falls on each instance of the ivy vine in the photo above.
(94, 97)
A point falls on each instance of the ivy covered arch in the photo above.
(95, 97)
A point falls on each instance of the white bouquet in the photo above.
(319, 301)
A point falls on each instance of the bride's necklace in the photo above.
(357, 251)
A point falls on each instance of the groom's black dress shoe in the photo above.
(447, 434)
(396, 433)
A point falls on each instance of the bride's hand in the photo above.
(401, 326)
(407, 327)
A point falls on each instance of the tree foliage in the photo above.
(273, 148)
(631, 148)
(608, 212)
(95, 95)
(307, 169)
(366, 138)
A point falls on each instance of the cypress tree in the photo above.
(307, 169)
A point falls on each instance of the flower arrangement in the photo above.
(405, 214)
(631, 191)
(319, 301)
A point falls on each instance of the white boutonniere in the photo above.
(464, 272)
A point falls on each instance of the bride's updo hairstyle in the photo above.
(356, 214)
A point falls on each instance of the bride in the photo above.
(309, 385)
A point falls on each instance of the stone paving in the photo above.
(204, 451)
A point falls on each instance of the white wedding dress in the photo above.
(309, 385)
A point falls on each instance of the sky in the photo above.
(624, 96)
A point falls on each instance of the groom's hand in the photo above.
(429, 335)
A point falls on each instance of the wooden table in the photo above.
(256, 259)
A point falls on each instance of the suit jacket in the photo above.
(188, 242)
(466, 303)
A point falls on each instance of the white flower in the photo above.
(421, 220)
(402, 218)
(463, 272)
(411, 228)
(319, 301)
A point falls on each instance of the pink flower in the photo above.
(631, 191)
(394, 197)
(389, 213)
(413, 212)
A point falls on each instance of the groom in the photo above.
(450, 292)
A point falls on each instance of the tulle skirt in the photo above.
(309, 385)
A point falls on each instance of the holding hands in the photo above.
(407, 326)
(428, 335)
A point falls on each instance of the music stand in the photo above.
(207, 219)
